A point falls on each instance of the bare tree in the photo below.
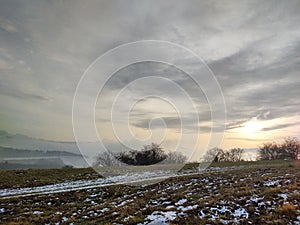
(214, 155)
(269, 151)
(106, 159)
(220, 155)
(291, 147)
(175, 157)
(235, 155)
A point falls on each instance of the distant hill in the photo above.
(46, 149)
(24, 153)
(32, 164)
(20, 141)
(12, 158)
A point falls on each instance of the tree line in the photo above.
(153, 153)
(148, 155)
(288, 149)
(220, 155)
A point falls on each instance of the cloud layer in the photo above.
(252, 47)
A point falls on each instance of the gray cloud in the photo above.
(21, 94)
(7, 26)
(169, 122)
(280, 126)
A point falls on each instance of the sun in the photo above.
(252, 127)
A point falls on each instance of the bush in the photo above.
(150, 154)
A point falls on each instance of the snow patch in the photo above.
(37, 212)
(271, 183)
(241, 212)
(187, 208)
(181, 201)
(284, 196)
(159, 218)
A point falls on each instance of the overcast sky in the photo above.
(252, 47)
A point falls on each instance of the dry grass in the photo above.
(260, 191)
(287, 210)
(39, 177)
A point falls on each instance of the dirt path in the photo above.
(132, 179)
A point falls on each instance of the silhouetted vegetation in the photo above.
(150, 154)
(107, 159)
(153, 153)
(288, 149)
(175, 157)
(220, 155)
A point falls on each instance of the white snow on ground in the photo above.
(85, 184)
(125, 202)
(202, 214)
(104, 210)
(284, 196)
(255, 199)
(241, 212)
(271, 183)
(181, 201)
(226, 211)
(101, 182)
(214, 213)
(187, 208)
(221, 210)
(297, 222)
(159, 218)
(170, 207)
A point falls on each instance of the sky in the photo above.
(251, 47)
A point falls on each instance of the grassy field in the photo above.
(39, 177)
(262, 163)
(259, 193)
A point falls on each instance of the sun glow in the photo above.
(252, 127)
